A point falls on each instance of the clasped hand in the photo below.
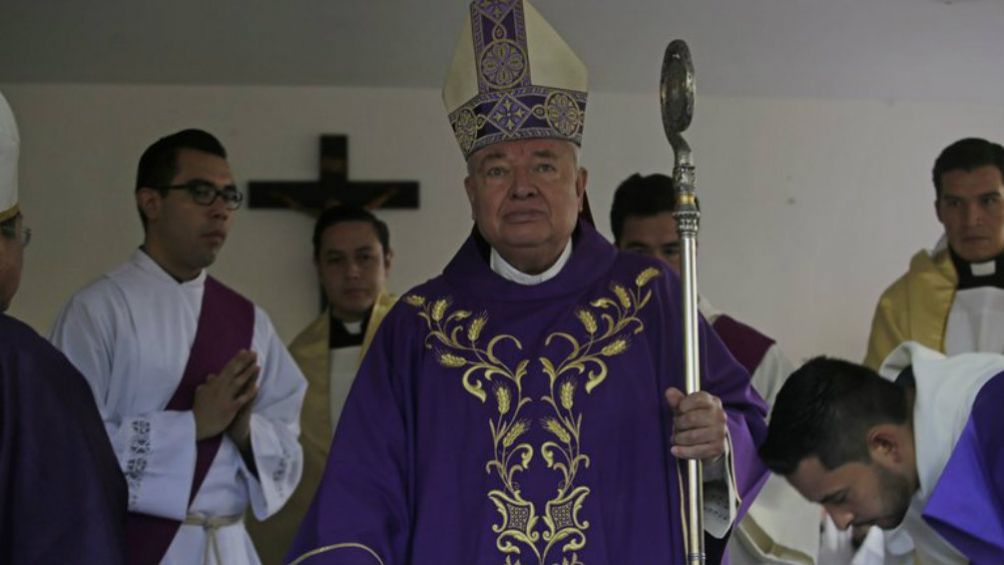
(224, 401)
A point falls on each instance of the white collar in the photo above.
(144, 262)
(983, 269)
(502, 268)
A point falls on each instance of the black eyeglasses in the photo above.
(205, 193)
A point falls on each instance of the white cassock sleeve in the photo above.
(275, 423)
(155, 448)
(721, 497)
(721, 501)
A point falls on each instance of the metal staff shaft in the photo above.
(688, 218)
(677, 94)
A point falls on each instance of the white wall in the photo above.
(811, 206)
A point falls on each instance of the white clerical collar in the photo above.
(146, 263)
(502, 268)
(984, 269)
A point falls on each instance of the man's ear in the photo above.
(149, 203)
(888, 443)
(388, 259)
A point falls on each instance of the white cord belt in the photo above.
(211, 525)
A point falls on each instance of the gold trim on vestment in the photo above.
(458, 340)
(327, 548)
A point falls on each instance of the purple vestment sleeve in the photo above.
(492, 422)
(967, 505)
(728, 380)
(62, 495)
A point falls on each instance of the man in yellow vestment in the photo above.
(352, 255)
(952, 298)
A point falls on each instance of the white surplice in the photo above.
(976, 321)
(976, 318)
(130, 334)
(343, 364)
(945, 391)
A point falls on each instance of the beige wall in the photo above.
(811, 206)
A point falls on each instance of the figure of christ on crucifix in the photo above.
(333, 187)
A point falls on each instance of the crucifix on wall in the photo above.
(333, 187)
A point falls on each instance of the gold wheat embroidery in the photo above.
(457, 345)
(564, 453)
(455, 337)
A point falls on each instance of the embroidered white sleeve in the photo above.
(275, 423)
(157, 456)
(156, 450)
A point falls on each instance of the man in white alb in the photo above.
(198, 394)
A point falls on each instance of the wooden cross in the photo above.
(334, 187)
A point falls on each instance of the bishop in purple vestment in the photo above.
(524, 407)
(62, 496)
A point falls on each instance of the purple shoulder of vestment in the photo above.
(62, 495)
(967, 504)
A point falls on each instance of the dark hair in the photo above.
(967, 154)
(825, 409)
(159, 163)
(641, 196)
(338, 214)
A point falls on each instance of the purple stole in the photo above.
(967, 504)
(226, 325)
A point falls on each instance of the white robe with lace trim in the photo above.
(130, 333)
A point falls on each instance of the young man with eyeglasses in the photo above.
(200, 397)
(62, 496)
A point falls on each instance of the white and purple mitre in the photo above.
(9, 143)
(513, 77)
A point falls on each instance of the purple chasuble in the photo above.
(226, 325)
(62, 495)
(967, 505)
(492, 422)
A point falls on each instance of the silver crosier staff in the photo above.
(676, 95)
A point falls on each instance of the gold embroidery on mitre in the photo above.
(456, 337)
